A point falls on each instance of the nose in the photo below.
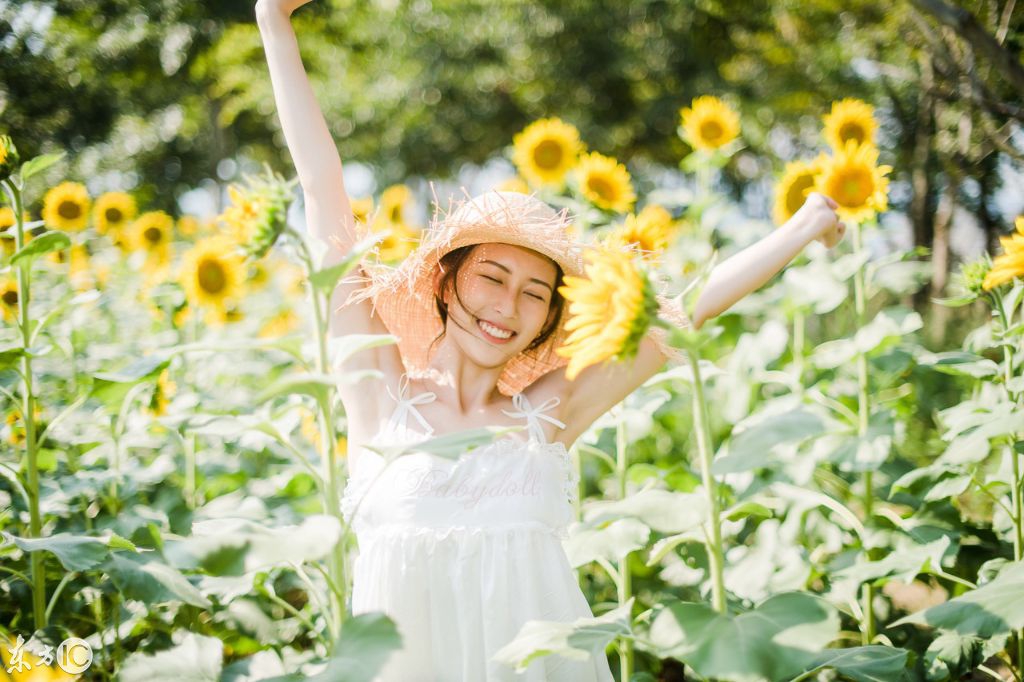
(505, 304)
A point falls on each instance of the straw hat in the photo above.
(403, 296)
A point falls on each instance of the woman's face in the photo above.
(505, 293)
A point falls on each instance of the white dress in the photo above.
(461, 553)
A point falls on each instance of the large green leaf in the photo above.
(232, 546)
(145, 578)
(367, 641)
(864, 663)
(41, 245)
(75, 552)
(663, 510)
(903, 563)
(958, 363)
(774, 641)
(580, 640)
(750, 447)
(952, 655)
(111, 387)
(37, 164)
(195, 658)
(994, 608)
(609, 540)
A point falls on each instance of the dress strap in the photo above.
(535, 414)
(407, 406)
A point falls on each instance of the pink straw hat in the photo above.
(403, 296)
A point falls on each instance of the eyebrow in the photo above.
(532, 279)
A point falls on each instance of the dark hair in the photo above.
(451, 263)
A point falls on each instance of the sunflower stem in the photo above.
(701, 424)
(863, 414)
(28, 413)
(624, 584)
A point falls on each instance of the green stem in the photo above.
(28, 415)
(863, 413)
(1016, 492)
(332, 484)
(624, 584)
(701, 424)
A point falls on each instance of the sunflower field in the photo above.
(811, 489)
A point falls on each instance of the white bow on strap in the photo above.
(534, 414)
(407, 406)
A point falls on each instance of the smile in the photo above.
(493, 333)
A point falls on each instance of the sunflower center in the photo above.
(113, 215)
(211, 276)
(711, 130)
(10, 297)
(69, 210)
(153, 235)
(851, 131)
(548, 154)
(852, 187)
(797, 193)
(601, 187)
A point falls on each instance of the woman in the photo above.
(461, 552)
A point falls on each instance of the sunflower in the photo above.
(9, 298)
(610, 310)
(361, 209)
(280, 324)
(311, 431)
(605, 182)
(708, 123)
(515, 184)
(242, 212)
(393, 202)
(798, 179)
(188, 226)
(8, 157)
(546, 150)
(212, 273)
(1010, 263)
(113, 212)
(649, 231)
(163, 391)
(853, 178)
(8, 239)
(850, 119)
(152, 232)
(66, 207)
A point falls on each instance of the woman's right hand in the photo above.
(282, 7)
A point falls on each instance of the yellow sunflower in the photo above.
(163, 392)
(516, 184)
(8, 238)
(798, 179)
(188, 226)
(850, 119)
(361, 209)
(649, 231)
(853, 178)
(212, 273)
(152, 232)
(66, 207)
(708, 123)
(279, 325)
(610, 310)
(9, 298)
(113, 212)
(311, 431)
(605, 182)
(393, 203)
(546, 150)
(8, 157)
(1009, 264)
(242, 213)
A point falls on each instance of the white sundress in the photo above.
(461, 553)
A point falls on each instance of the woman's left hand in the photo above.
(818, 217)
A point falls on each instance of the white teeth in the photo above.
(494, 331)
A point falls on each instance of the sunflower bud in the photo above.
(258, 213)
(973, 276)
(8, 157)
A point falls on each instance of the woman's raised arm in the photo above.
(328, 209)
